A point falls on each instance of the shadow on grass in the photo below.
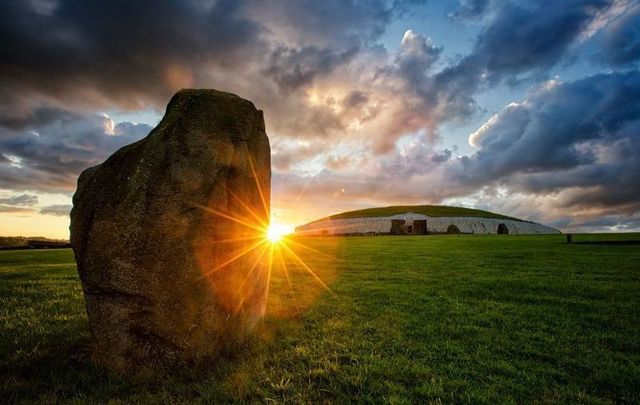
(65, 371)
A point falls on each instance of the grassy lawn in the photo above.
(414, 319)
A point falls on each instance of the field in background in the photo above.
(23, 242)
(456, 318)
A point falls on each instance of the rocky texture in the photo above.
(382, 225)
(151, 232)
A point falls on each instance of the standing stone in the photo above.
(158, 230)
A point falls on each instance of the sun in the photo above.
(276, 231)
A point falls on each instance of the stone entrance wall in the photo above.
(382, 225)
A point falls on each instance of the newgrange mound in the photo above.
(420, 220)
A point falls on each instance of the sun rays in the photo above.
(276, 231)
(252, 248)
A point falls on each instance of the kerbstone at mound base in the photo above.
(151, 245)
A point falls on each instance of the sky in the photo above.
(525, 108)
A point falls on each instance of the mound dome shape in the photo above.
(420, 220)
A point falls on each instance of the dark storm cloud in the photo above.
(416, 56)
(49, 157)
(125, 56)
(621, 40)
(610, 222)
(582, 137)
(127, 52)
(293, 68)
(328, 23)
(524, 39)
(132, 54)
(35, 119)
(519, 42)
(355, 98)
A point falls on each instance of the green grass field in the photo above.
(429, 210)
(414, 319)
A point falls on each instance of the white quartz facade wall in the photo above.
(434, 224)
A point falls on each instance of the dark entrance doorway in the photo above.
(503, 230)
(453, 229)
(420, 227)
(398, 227)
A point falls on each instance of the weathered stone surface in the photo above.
(151, 232)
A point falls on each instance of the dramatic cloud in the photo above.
(21, 200)
(417, 55)
(364, 102)
(518, 41)
(621, 42)
(577, 143)
(525, 39)
(308, 55)
(293, 68)
(120, 53)
(20, 204)
(60, 210)
(569, 147)
(335, 23)
(129, 56)
(612, 223)
(7, 209)
(560, 126)
(49, 154)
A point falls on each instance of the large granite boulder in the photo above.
(159, 230)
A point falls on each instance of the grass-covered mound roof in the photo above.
(429, 210)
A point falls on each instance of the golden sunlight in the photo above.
(256, 249)
(276, 231)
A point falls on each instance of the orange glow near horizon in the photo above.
(278, 253)
(276, 231)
